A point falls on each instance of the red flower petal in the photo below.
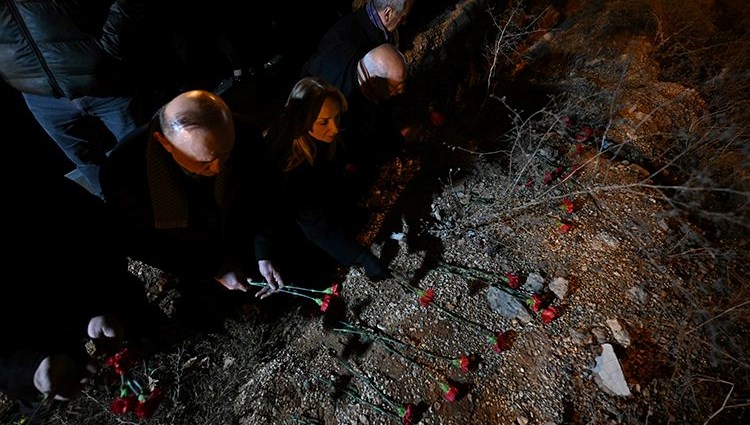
(535, 302)
(324, 303)
(426, 296)
(513, 281)
(451, 394)
(567, 205)
(147, 408)
(123, 405)
(408, 415)
(500, 342)
(548, 314)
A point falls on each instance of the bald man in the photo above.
(187, 189)
(381, 73)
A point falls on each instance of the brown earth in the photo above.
(656, 240)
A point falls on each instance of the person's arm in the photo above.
(333, 239)
(123, 27)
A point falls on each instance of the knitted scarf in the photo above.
(168, 197)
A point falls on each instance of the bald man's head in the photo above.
(198, 130)
(382, 72)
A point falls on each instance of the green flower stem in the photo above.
(287, 290)
(44, 405)
(378, 336)
(372, 385)
(414, 361)
(134, 386)
(292, 289)
(521, 296)
(401, 281)
(484, 276)
(357, 397)
(297, 294)
(297, 419)
(460, 318)
(470, 271)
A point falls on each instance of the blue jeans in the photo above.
(76, 126)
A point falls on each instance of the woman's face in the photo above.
(326, 126)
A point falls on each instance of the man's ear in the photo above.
(163, 141)
(387, 14)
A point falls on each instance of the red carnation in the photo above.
(146, 408)
(567, 205)
(535, 302)
(123, 405)
(334, 290)
(407, 414)
(426, 296)
(463, 363)
(548, 314)
(499, 342)
(564, 227)
(449, 392)
(513, 281)
(323, 303)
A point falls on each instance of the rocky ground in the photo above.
(594, 153)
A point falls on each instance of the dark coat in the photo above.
(68, 49)
(315, 198)
(189, 225)
(369, 130)
(341, 47)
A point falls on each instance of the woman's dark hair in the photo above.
(290, 142)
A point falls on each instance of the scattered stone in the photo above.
(638, 294)
(398, 236)
(608, 373)
(559, 286)
(620, 334)
(534, 282)
(507, 305)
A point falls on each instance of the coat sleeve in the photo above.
(122, 28)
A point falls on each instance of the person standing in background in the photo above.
(76, 64)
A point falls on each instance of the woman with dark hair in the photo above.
(303, 145)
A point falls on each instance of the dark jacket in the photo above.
(184, 224)
(314, 197)
(67, 48)
(369, 130)
(341, 47)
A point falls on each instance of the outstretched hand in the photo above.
(272, 277)
(60, 377)
(232, 280)
(105, 331)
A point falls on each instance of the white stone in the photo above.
(608, 373)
